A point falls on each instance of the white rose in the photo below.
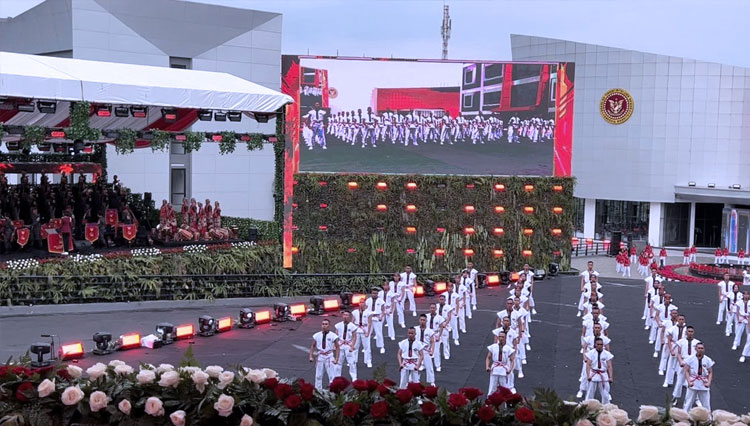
(115, 363)
(609, 407)
(178, 418)
(164, 367)
(620, 416)
(745, 418)
(270, 374)
(125, 406)
(725, 416)
(145, 377)
(224, 405)
(170, 378)
(699, 414)
(189, 370)
(583, 422)
(98, 400)
(605, 419)
(722, 424)
(681, 424)
(225, 379)
(592, 405)
(246, 421)
(200, 379)
(97, 370)
(679, 414)
(123, 370)
(154, 406)
(739, 423)
(214, 371)
(255, 376)
(46, 388)
(75, 371)
(72, 395)
(648, 413)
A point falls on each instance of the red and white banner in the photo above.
(23, 236)
(54, 242)
(92, 232)
(112, 217)
(129, 231)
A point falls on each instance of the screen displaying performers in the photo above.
(429, 117)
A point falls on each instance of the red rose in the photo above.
(360, 385)
(525, 415)
(428, 408)
(471, 393)
(40, 370)
(514, 399)
(495, 398)
(63, 374)
(389, 382)
(379, 410)
(21, 371)
(457, 400)
(404, 396)
(283, 390)
(350, 409)
(3, 370)
(372, 385)
(339, 384)
(306, 390)
(416, 388)
(270, 383)
(293, 402)
(505, 392)
(431, 391)
(24, 391)
(486, 413)
(383, 390)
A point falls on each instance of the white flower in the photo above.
(178, 418)
(699, 414)
(154, 407)
(115, 363)
(225, 378)
(679, 414)
(98, 400)
(189, 370)
(583, 422)
(681, 424)
(725, 416)
(609, 407)
(214, 371)
(745, 418)
(145, 377)
(224, 405)
(605, 419)
(164, 367)
(97, 370)
(72, 395)
(123, 370)
(270, 374)
(620, 416)
(46, 388)
(255, 376)
(246, 421)
(648, 413)
(592, 405)
(170, 378)
(125, 406)
(75, 371)
(200, 379)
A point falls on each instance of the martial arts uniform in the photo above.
(410, 352)
(377, 306)
(732, 299)
(473, 289)
(462, 304)
(588, 345)
(451, 298)
(434, 323)
(326, 347)
(598, 362)
(742, 313)
(686, 350)
(673, 335)
(410, 282)
(725, 287)
(425, 337)
(661, 315)
(501, 368)
(698, 372)
(347, 334)
(586, 280)
(390, 297)
(445, 311)
(362, 320)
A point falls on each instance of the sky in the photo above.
(709, 30)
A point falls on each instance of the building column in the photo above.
(589, 218)
(691, 226)
(654, 224)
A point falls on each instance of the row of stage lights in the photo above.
(440, 252)
(469, 230)
(209, 326)
(412, 186)
(467, 208)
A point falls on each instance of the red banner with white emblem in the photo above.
(44, 230)
(92, 232)
(55, 242)
(112, 217)
(23, 236)
(129, 231)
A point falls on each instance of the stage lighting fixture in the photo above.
(121, 111)
(527, 253)
(330, 305)
(71, 351)
(220, 116)
(281, 312)
(493, 280)
(103, 343)
(499, 187)
(346, 299)
(470, 186)
(166, 331)
(180, 137)
(6, 104)
(322, 228)
(352, 185)
(528, 188)
(557, 188)
(261, 117)
(217, 137)
(295, 249)
(205, 115)
(411, 229)
(46, 107)
(381, 186)
(57, 134)
(539, 274)
(263, 317)
(504, 278)
(224, 324)
(14, 130)
(498, 231)
(411, 185)
(40, 349)
(206, 326)
(382, 207)
(419, 291)
(711, 185)
(184, 331)
(440, 229)
(247, 318)
(322, 183)
(138, 111)
(104, 111)
(514, 276)
(25, 107)
(499, 209)
(556, 232)
(469, 209)
(169, 114)
(380, 250)
(411, 208)
(439, 252)
(554, 269)
(528, 231)
(129, 341)
(234, 116)
(736, 186)
(557, 210)
(358, 299)
(498, 253)
(440, 287)
(557, 253)
(110, 134)
(323, 206)
(468, 252)
(575, 241)
(78, 146)
(317, 305)
(298, 309)
(410, 251)
(528, 210)
(469, 230)
(691, 183)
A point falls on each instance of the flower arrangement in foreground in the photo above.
(117, 393)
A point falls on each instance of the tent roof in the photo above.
(44, 77)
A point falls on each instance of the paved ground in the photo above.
(554, 361)
(606, 264)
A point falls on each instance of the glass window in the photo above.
(628, 217)
(471, 101)
(470, 75)
(493, 73)
(178, 186)
(579, 204)
(177, 148)
(521, 71)
(524, 95)
(181, 63)
(676, 224)
(492, 99)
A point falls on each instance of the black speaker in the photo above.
(148, 203)
(553, 269)
(614, 245)
(252, 235)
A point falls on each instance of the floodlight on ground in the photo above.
(298, 309)
(166, 331)
(263, 316)
(184, 331)
(281, 312)
(71, 351)
(317, 305)
(224, 324)
(46, 107)
(103, 343)
(40, 349)
(346, 299)
(247, 318)
(129, 341)
(206, 326)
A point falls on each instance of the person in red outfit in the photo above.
(663, 257)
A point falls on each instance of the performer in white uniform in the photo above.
(347, 334)
(529, 286)
(445, 311)
(589, 343)
(733, 298)
(397, 286)
(473, 289)
(409, 279)
(361, 319)
(725, 286)
(452, 301)
(436, 323)
(585, 279)
(499, 361)
(390, 306)
(376, 305)
(674, 335)
(326, 344)
(512, 340)
(463, 299)
(661, 315)
(650, 280)
(743, 322)
(599, 372)
(425, 336)
(699, 373)
(685, 349)
(409, 359)
(665, 328)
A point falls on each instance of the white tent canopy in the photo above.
(44, 77)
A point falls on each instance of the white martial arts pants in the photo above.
(671, 370)
(327, 364)
(731, 320)
(400, 313)
(581, 301)
(685, 260)
(444, 341)
(377, 328)
(739, 331)
(409, 295)
(389, 324)
(497, 380)
(655, 335)
(365, 344)
(746, 349)
(693, 257)
(462, 318)
(349, 355)
(626, 271)
(722, 310)
(428, 366)
(454, 326)
(473, 293)
(704, 396)
(408, 376)
(664, 357)
(602, 388)
(679, 384)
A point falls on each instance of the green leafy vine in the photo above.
(193, 141)
(161, 139)
(255, 142)
(125, 142)
(79, 123)
(32, 135)
(228, 142)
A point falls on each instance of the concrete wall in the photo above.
(43, 29)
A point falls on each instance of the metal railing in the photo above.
(594, 248)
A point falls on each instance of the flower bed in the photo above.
(670, 272)
(716, 272)
(120, 394)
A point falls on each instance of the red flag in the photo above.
(55, 242)
(129, 231)
(112, 217)
(56, 222)
(23, 236)
(92, 232)
(18, 224)
(44, 232)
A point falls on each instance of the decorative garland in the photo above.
(160, 142)
(79, 123)
(279, 148)
(32, 135)
(125, 142)
(193, 141)
(228, 142)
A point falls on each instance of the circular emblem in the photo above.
(333, 93)
(616, 106)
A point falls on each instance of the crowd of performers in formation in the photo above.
(197, 222)
(428, 343)
(357, 128)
